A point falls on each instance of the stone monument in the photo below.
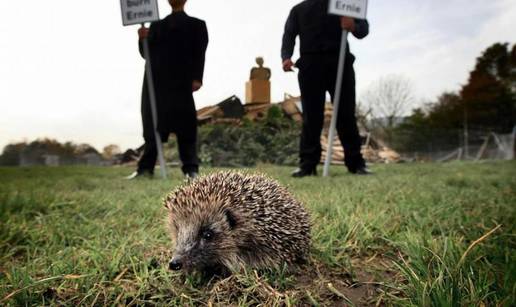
(258, 88)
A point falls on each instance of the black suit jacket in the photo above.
(177, 46)
(319, 31)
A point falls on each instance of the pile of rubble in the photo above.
(232, 111)
(372, 153)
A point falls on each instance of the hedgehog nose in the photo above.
(175, 265)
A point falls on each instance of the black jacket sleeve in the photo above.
(199, 51)
(151, 39)
(140, 48)
(289, 36)
(361, 28)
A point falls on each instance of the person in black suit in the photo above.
(320, 37)
(177, 46)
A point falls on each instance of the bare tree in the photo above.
(363, 114)
(389, 98)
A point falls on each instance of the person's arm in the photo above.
(289, 39)
(361, 28)
(145, 33)
(199, 54)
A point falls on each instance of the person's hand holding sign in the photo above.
(347, 23)
(143, 32)
(288, 65)
(196, 85)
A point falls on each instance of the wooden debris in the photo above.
(228, 111)
(256, 111)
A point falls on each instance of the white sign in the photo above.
(139, 11)
(349, 8)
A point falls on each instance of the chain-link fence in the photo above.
(447, 145)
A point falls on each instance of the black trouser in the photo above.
(186, 139)
(317, 75)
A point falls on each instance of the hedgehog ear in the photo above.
(231, 219)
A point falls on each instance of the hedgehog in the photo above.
(228, 221)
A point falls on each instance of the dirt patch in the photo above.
(363, 284)
(337, 287)
(314, 284)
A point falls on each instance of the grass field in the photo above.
(411, 235)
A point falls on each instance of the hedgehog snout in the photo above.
(180, 261)
(175, 264)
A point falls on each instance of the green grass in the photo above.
(411, 235)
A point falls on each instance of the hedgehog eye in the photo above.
(207, 235)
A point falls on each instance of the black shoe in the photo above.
(191, 175)
(300, 173)
(363, 171)
(140, 175)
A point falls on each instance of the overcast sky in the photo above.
(70, 71)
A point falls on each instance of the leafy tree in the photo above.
(35, 152)
(489, 98)
(11, 154)
(487, 102)
(110, 151)
(84, 149)
(446, 113)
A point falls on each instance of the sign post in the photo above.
(347, 8)
(139, 12)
